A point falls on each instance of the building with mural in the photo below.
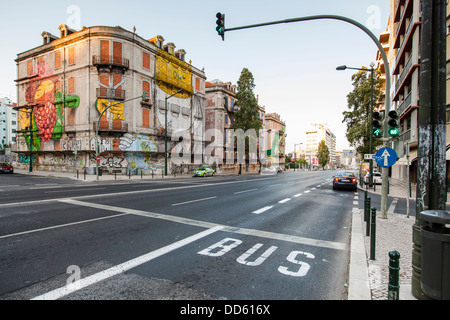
(65, 84)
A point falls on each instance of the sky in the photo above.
(294, 65)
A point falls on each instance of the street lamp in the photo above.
(344, 67)
(165, 130)
(296, 144)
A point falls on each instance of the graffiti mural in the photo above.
(46, 120)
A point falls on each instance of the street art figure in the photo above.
(47, 119)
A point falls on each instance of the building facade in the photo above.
(8, 123)
(314, 136)
(221, 104)
(69, 81)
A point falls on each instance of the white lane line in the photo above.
(307, 191)
(284, 200)
(262, 210)
(274, 185)
(297, 195)
(392, 206)
(199, 223)
(47, 187)
(355, 202)
(191, 201)
(121, 268)
(244, 191)
(60, 226)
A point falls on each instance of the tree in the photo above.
(247, 115)
(323, 154)
(248, 111)
(359, 116)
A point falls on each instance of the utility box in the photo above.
(435, 275)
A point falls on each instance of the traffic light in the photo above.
(220, 25)
(144, 96)
(393, 129)
(377, 124)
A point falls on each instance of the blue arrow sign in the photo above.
(385, 157)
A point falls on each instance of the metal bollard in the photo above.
(372, 233)
(394, 271)
(367, 214)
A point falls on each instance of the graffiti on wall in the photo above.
(47, 119)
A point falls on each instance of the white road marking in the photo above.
(284, 200)
(392, 206)
(198, 223)
(60, 226)
(297, 195)
(244, 191)
(121, 268)
(191, 201)
(307, 191)
(262, 210)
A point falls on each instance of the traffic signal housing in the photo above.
(220, 25)
(377, 124)
(393, 124)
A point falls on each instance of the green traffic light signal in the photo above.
(220, 25)
(393, 129)
(377, 132)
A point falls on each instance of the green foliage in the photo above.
(359, 115)
(323, 154)
(247, 115)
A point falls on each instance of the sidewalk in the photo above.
(369, 279)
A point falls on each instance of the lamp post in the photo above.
(97, 153)
(296, 144)
(165, 130)
(341, 68)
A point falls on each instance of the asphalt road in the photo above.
(265, 237)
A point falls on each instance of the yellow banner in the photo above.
(173, 74)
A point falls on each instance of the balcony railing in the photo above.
(111, 126)
(404, 105)
(111, 61)
(105, 93)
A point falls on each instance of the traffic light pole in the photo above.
(431, 154)
(385, 171)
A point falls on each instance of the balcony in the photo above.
(105, 93)
(111, 126)
(111, 62)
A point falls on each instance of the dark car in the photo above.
(345, 180)
(6, 168)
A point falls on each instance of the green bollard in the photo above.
(367, 216)
(372, 233)
(394, 270)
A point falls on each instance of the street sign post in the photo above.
(368, 156)
(385, 157)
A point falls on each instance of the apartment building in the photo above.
(8, 123)
(221, 104)
(314, 136)
(404, 58)
(71, 79)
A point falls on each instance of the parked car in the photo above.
(6, 168)
(376, 178)
(345, 180)
(270, 170)
(203, 172)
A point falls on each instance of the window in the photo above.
(71, 55)
(146, 60)
(71, 85)
(57, 59)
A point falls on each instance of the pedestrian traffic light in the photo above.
(220, 25)
(377, 124)
(393, 129)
